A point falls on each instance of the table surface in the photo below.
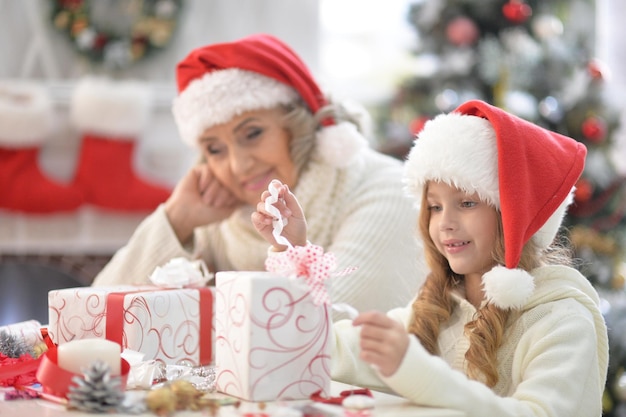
(385, 406)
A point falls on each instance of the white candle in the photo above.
(78, 355)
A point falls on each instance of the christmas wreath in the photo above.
(151, 24)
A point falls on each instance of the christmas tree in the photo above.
(534, 59)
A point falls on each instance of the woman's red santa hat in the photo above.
(220, 81)
(525, 171)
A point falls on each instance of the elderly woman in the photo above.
(255, 113)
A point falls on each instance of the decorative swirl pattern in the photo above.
(165, 325)
(272, 339)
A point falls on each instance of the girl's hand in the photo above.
(198, 199)
(384, 341)
(289, 208)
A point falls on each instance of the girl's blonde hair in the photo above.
(434, 305)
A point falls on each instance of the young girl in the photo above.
(502, 326)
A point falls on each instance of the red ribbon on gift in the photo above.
(115, 319)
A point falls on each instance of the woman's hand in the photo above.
(384, 341)
(198, 199)
(289, 208)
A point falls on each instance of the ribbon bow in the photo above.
(181, 273)
(309, 263)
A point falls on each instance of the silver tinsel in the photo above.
(96, 391)
(13, 346)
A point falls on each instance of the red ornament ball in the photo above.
(462, 31)
(584, 191)
(598, 70)
(517, 11)
(594, 129)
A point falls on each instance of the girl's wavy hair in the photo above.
(486, 332)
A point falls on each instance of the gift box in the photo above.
(29, 332)
(165, 324)
(272, 338)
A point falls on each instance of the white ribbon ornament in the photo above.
(278, 221)
(309, 262)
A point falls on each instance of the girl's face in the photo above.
(463, 228)
(249, 151)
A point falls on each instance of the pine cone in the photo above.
(96, 391)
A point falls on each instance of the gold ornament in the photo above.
(161, 401)
(185, 392)
(180, 395)
(599, 243)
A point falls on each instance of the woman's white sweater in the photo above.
(360, 213)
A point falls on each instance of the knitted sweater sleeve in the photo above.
(152, 244)
(554, 371)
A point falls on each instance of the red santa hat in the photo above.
(220, 81)
(527, 172)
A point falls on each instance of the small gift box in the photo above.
(22, 345)
(166, 324)
(29, 332)
(273, 332)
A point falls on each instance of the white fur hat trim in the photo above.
(458, 150)
(338, 144)
(220, 95)
(461, 150)
(508, 288)
(116, 109)
(26, 114)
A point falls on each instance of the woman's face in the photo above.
(248, 152)
(463, 228)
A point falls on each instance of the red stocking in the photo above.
(25, 122)
(111, 116)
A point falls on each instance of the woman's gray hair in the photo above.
(303, 125)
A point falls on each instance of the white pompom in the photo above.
(338, 144)
(508, 288)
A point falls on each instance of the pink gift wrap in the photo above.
(272, 340)
(168, 325)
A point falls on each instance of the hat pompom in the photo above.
(338, 144)
(508, 288)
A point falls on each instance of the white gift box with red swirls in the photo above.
(272, 339)
(169, 325)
